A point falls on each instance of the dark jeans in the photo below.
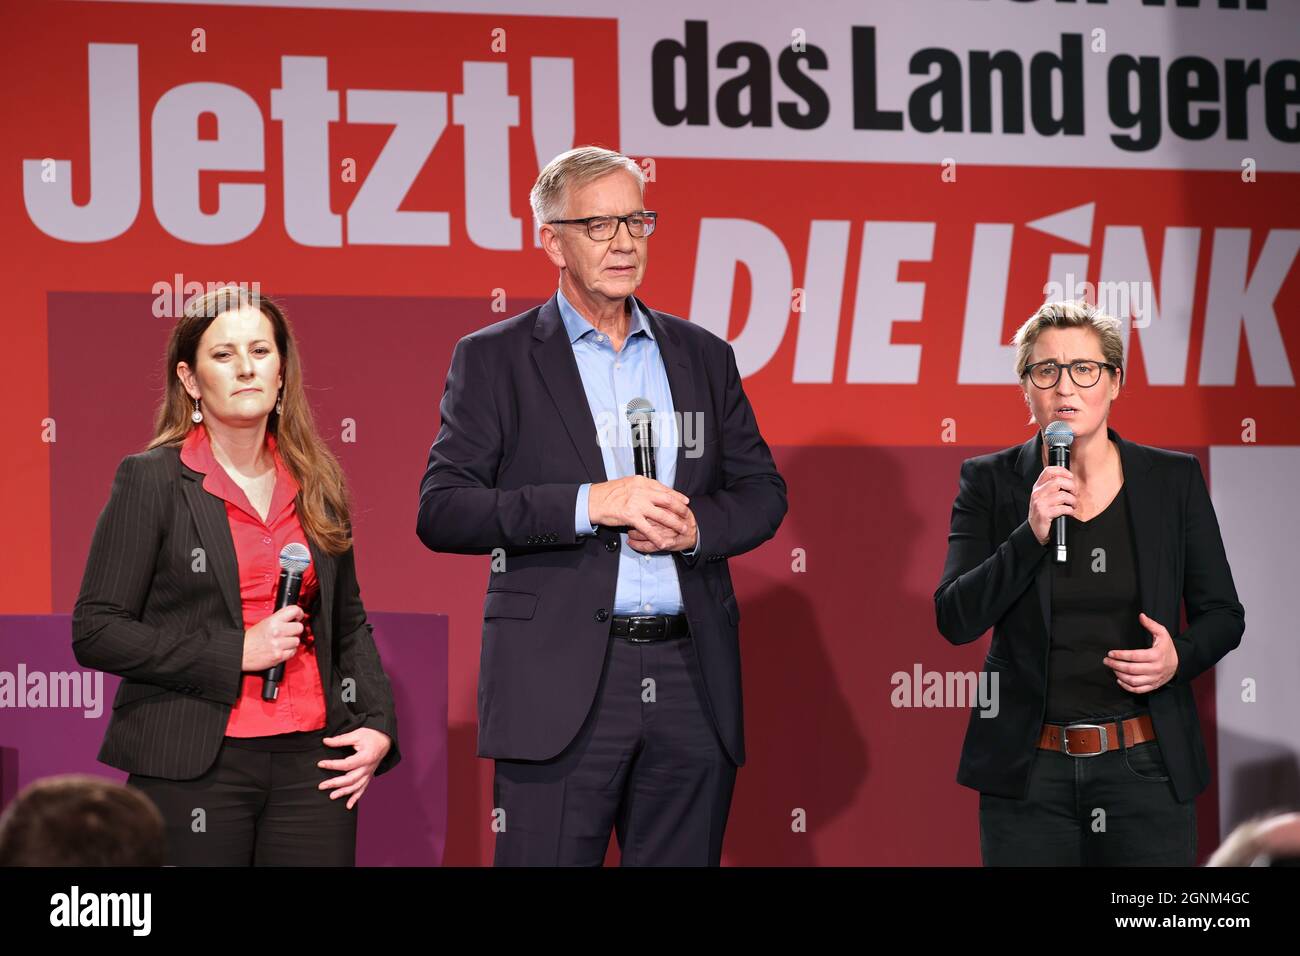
(259, 808)
(1115, 809)
(653, 771)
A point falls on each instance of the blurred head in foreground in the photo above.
(80, 820)
(1264, 841)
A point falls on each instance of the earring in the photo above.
(198, 415)
(279, 404)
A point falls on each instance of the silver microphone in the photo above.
(640, 417)
(1059, 436)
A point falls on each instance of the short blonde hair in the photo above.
(1065, 315)
(571, 169)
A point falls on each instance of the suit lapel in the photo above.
(682, 385)
(322, 622)
(210, 518)
(553, 354)
(1143, 500)
(1029, 465)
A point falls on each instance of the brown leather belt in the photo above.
(1091, 740)
(647, 628)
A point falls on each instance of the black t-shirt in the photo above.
(1095, 605)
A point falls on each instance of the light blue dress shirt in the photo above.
(647, 583)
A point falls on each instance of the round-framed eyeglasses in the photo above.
(1084, 373)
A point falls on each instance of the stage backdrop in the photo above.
(865, 198)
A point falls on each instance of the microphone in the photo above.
(1059, 437)
(294, 559)
(640, 415)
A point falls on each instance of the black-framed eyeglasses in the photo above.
(640, 225)
(1084, 373)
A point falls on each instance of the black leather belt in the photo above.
(644, 628)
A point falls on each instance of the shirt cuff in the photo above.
(695, 550)
(581, 519)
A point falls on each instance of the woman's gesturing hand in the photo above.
(371, 746)
(1143, 670)
(1053, 495)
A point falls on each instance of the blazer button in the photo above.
(611, 545)
(602, 615)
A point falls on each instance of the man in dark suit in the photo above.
(609, 686)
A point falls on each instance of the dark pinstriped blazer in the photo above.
(169, 620)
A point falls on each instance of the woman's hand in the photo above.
(1053, 495)
(371, 746)
(273, 639)
(1142, 671)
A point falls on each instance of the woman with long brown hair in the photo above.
(247, 765)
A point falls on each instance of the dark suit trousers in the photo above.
(646, 763)
(260, 808)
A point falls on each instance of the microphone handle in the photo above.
(643, 450)
(643, 455)
(1059, 456)
(286, 593)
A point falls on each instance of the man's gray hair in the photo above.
(573, 169)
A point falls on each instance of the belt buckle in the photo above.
(1065, 740)
(635, 623)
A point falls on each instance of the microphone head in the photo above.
(1058, 434)
(294, 558)
(639, 410)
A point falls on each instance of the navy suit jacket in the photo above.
(516, 441)
(998, 575)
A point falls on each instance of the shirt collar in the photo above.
(196, 454)
(576, 326)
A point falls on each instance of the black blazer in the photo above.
(176, 635)
(517, 439)
(997, 575)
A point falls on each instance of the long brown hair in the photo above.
(322, 502)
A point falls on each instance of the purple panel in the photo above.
(404, 821)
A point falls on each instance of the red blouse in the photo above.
(301, 704)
